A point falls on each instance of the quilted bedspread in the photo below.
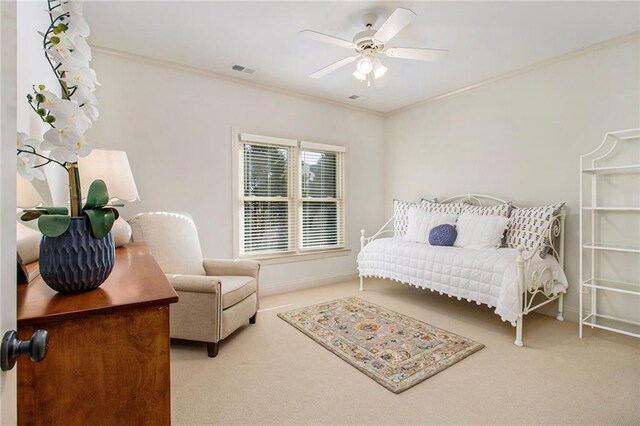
(482, 276)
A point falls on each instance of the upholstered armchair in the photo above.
(216, 297)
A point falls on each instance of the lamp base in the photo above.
(121, 231)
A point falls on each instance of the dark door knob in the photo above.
(12, 348)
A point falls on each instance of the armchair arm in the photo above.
(195, 283)
(231, 267)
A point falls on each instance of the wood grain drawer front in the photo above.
(108, 369)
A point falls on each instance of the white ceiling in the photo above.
(484, 38)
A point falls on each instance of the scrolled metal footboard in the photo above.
(539, 282)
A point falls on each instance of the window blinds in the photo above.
(291, 196)
(321, 197)
(267, 202)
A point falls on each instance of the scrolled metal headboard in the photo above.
(555, 232)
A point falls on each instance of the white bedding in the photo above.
(486, 276)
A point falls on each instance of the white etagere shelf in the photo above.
(591, 166)
(632, 168)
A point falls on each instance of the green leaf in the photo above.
(101, 221)
(32, 214)
(115, 211)
(53, 225)
(28, 215)
(97, 196)
(56, 210)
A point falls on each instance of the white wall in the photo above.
(176, 128)
(519, 138)
(33, 69)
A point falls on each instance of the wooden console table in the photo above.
(108, 356)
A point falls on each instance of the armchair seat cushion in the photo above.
(236, 288)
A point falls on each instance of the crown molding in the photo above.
(219, 76)
(634, 36)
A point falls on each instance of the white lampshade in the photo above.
(357, 74)
(26, 195)
(378, 69)
(113, 168)
(365, 65)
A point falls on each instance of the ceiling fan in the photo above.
(369, 43)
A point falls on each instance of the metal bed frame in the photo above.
(540, 281)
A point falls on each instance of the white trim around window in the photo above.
(291, 195)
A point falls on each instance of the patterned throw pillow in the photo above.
(529, 226)
(401, 216)
(448, 208)
(497, 210)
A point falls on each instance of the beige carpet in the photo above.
(266, 374)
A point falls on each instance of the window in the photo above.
(291, 196)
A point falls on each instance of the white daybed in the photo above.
(505, 278)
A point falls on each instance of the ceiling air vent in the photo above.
(242, 68)
(354, 97)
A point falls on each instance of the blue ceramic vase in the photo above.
(76, 261)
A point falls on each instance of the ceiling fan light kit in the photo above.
(365, 65)
(378, 69)
(369, 43)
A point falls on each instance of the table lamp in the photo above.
(113, 168)
(26, 195)
(27, 237)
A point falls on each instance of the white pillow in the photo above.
(477, 231)
(420, 223)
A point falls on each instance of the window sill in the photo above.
(298, 257)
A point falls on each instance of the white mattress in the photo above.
(486, 276)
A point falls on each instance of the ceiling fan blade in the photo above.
(334, 66)
(399, 19)
(434, 55)
(314, 35)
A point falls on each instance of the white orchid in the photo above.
(68, 6)
(60, 137)
(81, 46)
(78, 26)
(91, 111)
(71, 60)
(25, 142)
(73, 20)
(69, 50)
(83, 96)
(26, 164)
(26, 160)
(50, 99)
(59, 43)
(70, 115)
(64, 52)
(65, 145)
(84, 76)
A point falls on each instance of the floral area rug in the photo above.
(395, 350)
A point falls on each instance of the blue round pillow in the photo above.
(443, 235)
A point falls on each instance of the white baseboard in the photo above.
(308, 283)
(571, 314)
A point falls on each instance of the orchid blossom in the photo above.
(72, 113)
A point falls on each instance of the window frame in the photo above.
(296, 252)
